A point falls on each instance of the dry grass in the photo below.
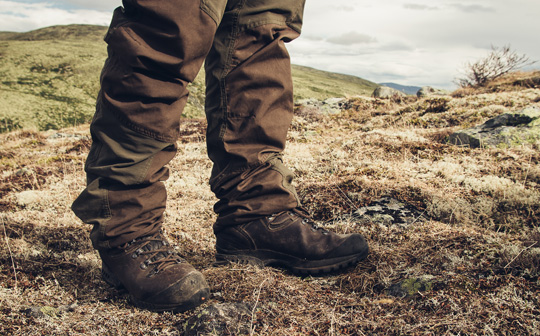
(480, 249)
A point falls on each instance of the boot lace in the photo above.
(156, 252)
(304, 215)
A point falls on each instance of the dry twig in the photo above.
(10, 253)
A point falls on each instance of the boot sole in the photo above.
(262, 258)
(194, 301)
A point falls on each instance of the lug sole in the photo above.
(262, 258)
(194, 301)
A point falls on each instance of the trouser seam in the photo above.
(107, 212)
(144, 172)
(209, 11)
(228, 68)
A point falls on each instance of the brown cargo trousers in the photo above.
(155, 48)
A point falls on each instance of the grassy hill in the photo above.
(313, 83)
(68, 32)
(49, 78)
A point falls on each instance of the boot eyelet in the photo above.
(134, 255)
(143, 265)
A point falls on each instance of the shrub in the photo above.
(498, 62)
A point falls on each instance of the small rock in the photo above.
(24, 171)
(40, 312)
(221, 319)
(33, 312)
(28, 197)
(388, 211)
(327, 106)
(385, 92)
(428, 91)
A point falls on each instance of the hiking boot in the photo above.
(291, 240)
(155, 276)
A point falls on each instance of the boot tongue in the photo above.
(156, 246)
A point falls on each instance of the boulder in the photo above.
(428, 91)
(508, 129)
(327, 106)
(385, 92)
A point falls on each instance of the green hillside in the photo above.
(50, 78)
(313, 83)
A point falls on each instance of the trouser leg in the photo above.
(125, 195)
(155, 48)
(249, 108)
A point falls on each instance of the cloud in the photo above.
(396, 46)
(101, 5)
(415, 6)
(345, 8)
(16, 16)
(312, 37)
(472, 8)
(351, 38)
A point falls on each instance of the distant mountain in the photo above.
(410, 90)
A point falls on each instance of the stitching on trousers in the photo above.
(227, 68)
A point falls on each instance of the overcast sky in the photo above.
(412, 42)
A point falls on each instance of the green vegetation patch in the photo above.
(48, 84)
(318, 84)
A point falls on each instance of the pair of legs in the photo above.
(155, 49)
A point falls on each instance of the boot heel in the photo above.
(109, 277)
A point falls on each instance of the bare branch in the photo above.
(500, 61)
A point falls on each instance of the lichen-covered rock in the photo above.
(221, 319)
(428, 91)
(385, 92)
(48, 311)
(388, 212)
(409, 287)
(508, 129)
(327, 106)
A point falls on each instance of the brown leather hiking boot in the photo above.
(291, 240)
(155, 276)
